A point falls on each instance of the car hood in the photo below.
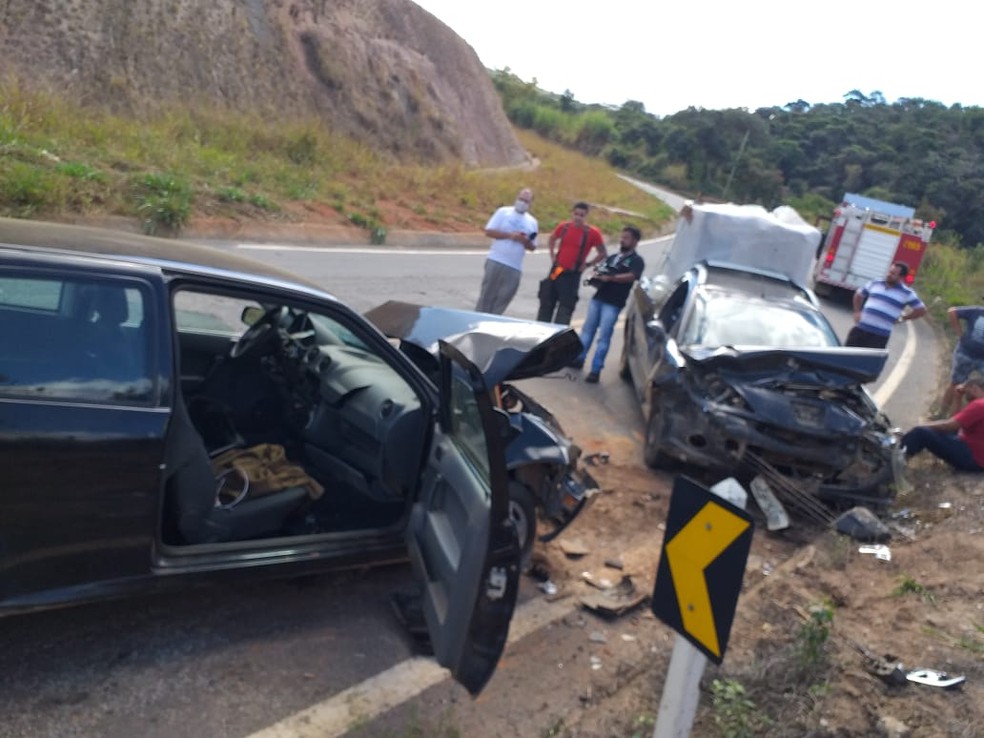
(502, 348)
(834, 365)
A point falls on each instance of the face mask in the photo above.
(521, 206)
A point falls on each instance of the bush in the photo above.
(164, 203)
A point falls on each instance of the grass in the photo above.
(57, 159)
(909, 586)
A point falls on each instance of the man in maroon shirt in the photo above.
(570, 245)
(959, 441)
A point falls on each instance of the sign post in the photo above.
(705, 549)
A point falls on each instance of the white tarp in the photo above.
(747, 235)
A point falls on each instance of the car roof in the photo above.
(168, 254)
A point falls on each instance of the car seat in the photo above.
(101, 311)
(192, 514)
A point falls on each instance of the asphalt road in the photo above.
(365, 276)
(232, 661)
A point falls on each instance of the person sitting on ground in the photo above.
(959, 440)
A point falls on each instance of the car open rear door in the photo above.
(461, 542)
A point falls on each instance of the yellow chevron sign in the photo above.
(702, 565)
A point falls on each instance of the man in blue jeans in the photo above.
(959, 441)
(613, 279)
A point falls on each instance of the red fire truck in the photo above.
(865, 237)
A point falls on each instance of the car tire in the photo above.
(624, 370)
(655, 430)
(522, 512)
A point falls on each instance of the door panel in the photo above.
(462, 544)
(81, 434)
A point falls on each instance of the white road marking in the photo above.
(388, 253)
(894, 379)
(364, 701)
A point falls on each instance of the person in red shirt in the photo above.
(570, 245)
(959, 441)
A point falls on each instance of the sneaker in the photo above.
(576, 364)
(592, 378)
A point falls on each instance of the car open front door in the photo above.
(462, 544)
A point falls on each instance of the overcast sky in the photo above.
(716, 54)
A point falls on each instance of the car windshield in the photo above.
(733, 319)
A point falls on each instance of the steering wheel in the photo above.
(258, 335)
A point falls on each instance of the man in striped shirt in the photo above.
(880, 304)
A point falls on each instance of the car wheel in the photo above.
(655, 431)
(624, 371)
(522, 512)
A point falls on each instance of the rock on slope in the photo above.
(385, 71)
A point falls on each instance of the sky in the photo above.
(713, 54)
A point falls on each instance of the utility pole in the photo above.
(741, 150)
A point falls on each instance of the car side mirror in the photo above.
(251, 314)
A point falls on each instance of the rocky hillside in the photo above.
(385, 71)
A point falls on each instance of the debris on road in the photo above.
(614, 601)
(880, 551)
(862, 525)
(775, 514)
(935, 678)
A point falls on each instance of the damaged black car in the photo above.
(739, 371)
(173, 415)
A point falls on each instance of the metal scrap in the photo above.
(935, 678)
(880, 550)
(615, 600)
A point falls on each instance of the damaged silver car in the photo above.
(738, 370)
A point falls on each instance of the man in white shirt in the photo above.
(513, 232)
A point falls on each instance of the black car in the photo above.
(738, 370)
(170, 414)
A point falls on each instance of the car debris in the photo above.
(601, 583)
(894, 673)
(862, 525)
(616, 600)
(886, 668)
(775, 514)
(933, 678)
(881, 551)
(548, 588)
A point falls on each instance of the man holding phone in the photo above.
(513, 232)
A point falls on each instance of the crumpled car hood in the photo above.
(834, 366)
(504, 349)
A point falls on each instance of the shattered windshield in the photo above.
(730, 319)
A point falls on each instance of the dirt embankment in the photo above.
(384, 71)
(921, 605)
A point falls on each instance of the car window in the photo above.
(721, 319)
(467, 430)
(38, 294)
(202, 312)
(75, 339)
